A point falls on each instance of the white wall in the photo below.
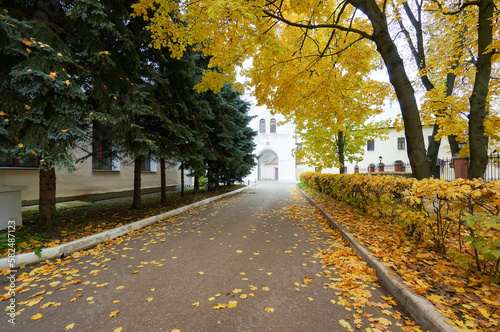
(281, 143)
(388, 150)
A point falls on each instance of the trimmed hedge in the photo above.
(460, 218)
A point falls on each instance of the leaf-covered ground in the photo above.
(262, 260)
(469, 301)
(93, 217)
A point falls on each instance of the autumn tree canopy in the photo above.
(232, 31)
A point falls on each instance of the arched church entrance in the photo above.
(268, 165)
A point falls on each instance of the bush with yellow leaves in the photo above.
(460, 217)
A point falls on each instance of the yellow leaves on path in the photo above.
(54, 283)
(269, 309)
(346, 325)
(103, 284)
(236, 291)
(70, 326)
(389, 300)
(33, 302)
(48, 304)
(120, 287)
(196, 304)
(113, 313)
(219, 306)
(265, 289)
(149, 299)
(37, 316)
(118, 329)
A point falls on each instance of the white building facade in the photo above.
(274, 146)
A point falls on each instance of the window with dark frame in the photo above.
(262, 126)
(146, 165)
(370, 145)
(272, 123)
(102, 149)
(401, 143)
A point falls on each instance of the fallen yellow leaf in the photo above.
(37, 316)
(345, 324)
(268, 309)
(70, 326)
(113, 313)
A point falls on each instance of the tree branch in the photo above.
(462, 7)
(318, 26)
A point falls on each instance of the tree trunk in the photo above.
(216, 180)
(420, 60)
(163, 180)
(478, 141)
(196, 186)
(182, 178)
(340, 147)
(402, 86)
(47, 199)
(209, 180)
(136, 203)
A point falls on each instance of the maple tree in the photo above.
(329, 98)
(461, 31)
(254, 28)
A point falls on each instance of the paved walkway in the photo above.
(252, 253)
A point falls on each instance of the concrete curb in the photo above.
(67, 249)
(421, 310)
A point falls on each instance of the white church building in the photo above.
(274, 145)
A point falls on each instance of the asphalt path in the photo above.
(248, 262)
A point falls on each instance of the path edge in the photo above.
(69, 248)
(421, 310)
